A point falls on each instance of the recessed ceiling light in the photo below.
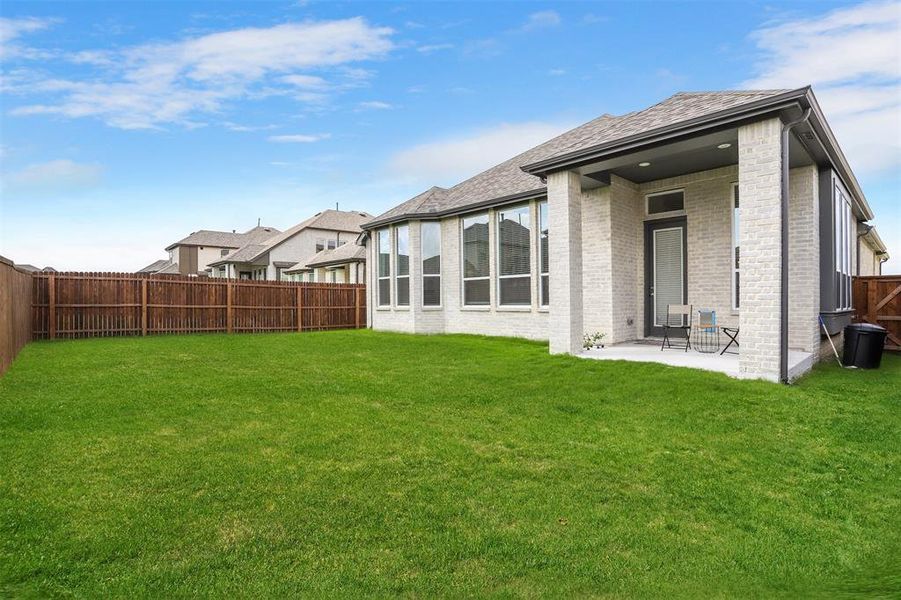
(724, 146)
(644, 164)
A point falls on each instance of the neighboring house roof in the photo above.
(344, 254)
(517, 178)
(226, 239)
(244, 254)
(155, 266)
(27, 268)
(330, 220)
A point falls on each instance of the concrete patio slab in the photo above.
(649, 351)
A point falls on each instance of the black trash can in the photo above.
(863, 345)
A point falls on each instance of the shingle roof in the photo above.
(244, 254)
(155, 266)
(226, 239)
(508, 179)
(346, 253)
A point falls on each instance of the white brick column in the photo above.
(564, 193)
(804, 259)
(759, 183)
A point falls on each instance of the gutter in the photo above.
(457, 210)
(783, 295)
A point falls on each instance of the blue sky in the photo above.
(125, 126)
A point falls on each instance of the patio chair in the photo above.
(677, 313)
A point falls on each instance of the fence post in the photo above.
(299, 308)
(228, 306)
(143, 306)
(51, 315)
(357, 308)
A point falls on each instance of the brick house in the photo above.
(740, 202)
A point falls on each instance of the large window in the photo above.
(431, 263)
(736, 244)
(384, 267)
(543, 261)
(844, 234)
(476, 283)
(402, 265)
(514, 235)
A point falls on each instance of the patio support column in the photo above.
(564, 193)
(760, 233)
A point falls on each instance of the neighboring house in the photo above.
(344, 264)
(192, 255)
(602, 227)
(871, 251)
(270, 258)
(27, 268)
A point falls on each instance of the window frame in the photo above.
(843, 236)
(423, 274)
(463, 277)
(663, 215)
(386, 232)
(395, 247)
(735, 235)
(543, 303)
(497, 255)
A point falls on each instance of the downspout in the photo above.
(866, 230)
(783, 300)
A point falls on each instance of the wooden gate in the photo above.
(877, 300)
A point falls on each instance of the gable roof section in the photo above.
(343, 254)
(155, 266)
(517, 178)
(225, 239)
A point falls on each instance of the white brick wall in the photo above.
(803, 260)
(759, 180)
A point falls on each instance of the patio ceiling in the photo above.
(691, 155)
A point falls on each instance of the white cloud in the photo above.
(557, 72)
(429, 48)
(155, 84)
(451, 160)
(852, 57)
(305, 81)
(13, 29)
(541, 19)
(375, 105)
(298, 138)
(62, 174)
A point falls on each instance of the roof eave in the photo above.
(717, 119)
(440, 214)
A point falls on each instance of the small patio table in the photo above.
(732, 334)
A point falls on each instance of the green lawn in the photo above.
(362, 463)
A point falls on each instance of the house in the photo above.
(344, 264)
(871, 251)
(193, 254)
(268, 259)
(738, 201)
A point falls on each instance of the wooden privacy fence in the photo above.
(80, 305)
(15, 312)
(877, 300)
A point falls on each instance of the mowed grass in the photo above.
(373, 464)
